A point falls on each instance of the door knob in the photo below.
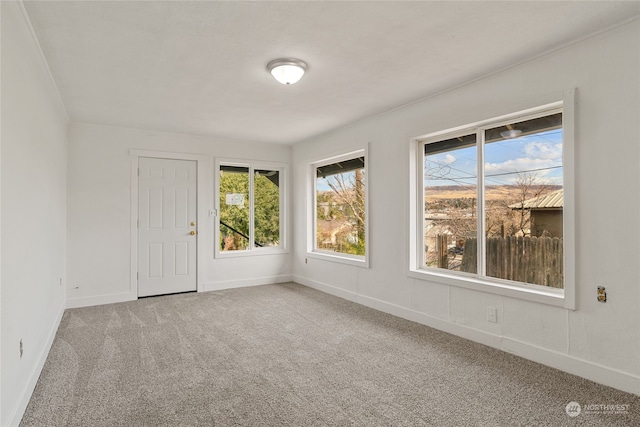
(192, 232)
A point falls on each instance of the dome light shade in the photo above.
(511, 133)
(287, 70)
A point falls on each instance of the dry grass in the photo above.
(492, 192)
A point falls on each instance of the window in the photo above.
(340, 208)
(250, 207)
(492, 205)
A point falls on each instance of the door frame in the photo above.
(201, 211)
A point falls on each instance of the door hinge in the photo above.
(137, 276)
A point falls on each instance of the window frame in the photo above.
(252, 166)
(565, 297)
(312, 251)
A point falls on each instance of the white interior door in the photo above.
(166, 226)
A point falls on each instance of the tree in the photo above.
(529, 186)
(266, 211)
(456, 216)
(234, 218)
(346, 205)
(502, 220)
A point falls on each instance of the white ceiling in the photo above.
(199, 67)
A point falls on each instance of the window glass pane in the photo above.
(524, 201)
(340, 207)
(234, 208)
(450, 204)
(266, 194)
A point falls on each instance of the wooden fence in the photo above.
(537, 260)
(442, 243)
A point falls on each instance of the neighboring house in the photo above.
(546, 213)
(325, 207)
(328, 231)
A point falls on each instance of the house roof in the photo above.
(554, 200)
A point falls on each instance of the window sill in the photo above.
(253, 252)
(358, 261)
(533, 293)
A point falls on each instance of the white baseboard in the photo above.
(592, 371)
(32, 379)
(620, 380)
(207, 286)
(242, 283)
(100, 299)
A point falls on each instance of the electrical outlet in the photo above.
(492, 314)
(602, 294)
(61, 281)
(21, 348)
(306, 261)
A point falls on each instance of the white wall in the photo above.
(43, 203)
(597, 341)
(33, 228)
(99, 209)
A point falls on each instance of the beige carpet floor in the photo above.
(287, 355)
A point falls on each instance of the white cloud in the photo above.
(539, 157)
(521, 164)
(449, 159)
(544, 150)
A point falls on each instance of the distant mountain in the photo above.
(492, 192)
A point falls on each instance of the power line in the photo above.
(530, 170)
(492, 175)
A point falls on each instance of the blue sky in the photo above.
(321, 183)
(538, 154)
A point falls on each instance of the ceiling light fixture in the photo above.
(287, 70)
(511, 133)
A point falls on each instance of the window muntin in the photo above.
(518, 201)
(340, 213)
(250, 208)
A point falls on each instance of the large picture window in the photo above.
(339, 211)
(250, 207)
(492, 201)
